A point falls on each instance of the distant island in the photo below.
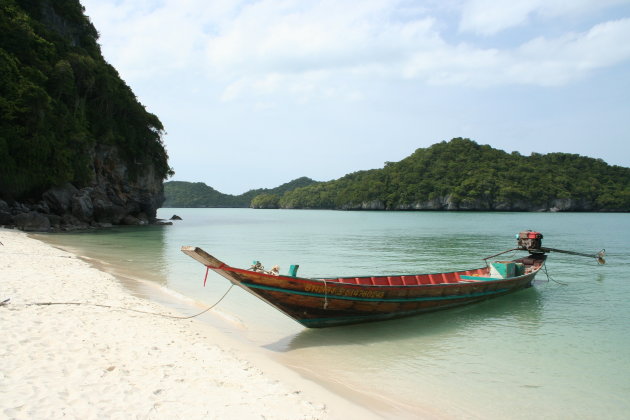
(452, 175)
(197, 194)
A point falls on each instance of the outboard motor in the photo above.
(532, 242)
(529, 241)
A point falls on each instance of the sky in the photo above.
(254, 94)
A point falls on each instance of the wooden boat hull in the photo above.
(317, 303)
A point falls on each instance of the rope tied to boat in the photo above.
(325, 294)
(551, 278)
(120, 308)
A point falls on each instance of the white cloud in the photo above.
(306, 45)
(541, 61)
(144, 37)
(563, 60)
(489, 17)
(297, 36)
(333, 49)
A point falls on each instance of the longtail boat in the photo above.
(327, 302)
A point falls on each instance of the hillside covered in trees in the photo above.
(197, 194)
(463, 175)
(68, 122)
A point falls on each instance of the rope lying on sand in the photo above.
(120, 308)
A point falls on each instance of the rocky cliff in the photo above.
(77, 150)
(113, 198)
(448, 203)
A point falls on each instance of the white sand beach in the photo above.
(88, 362)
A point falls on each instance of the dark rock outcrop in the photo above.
(59, 199)
(6, 218)
(115, 197)
(32, 222)
(82, 206)
(447, 203)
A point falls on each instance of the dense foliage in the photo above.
(59, 99)
(461, 174)
(197, 194)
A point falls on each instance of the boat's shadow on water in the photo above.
(523, 309)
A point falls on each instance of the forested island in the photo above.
(453, 175)
(197, 194)
(77, 149)
(463, 175)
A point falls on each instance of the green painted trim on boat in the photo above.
(418, 299)
(481, 278)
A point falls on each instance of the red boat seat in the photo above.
(409, 280)
(434, 278)
(414, 280)
(347, 280)
(395, 281)
(450, 277)
(380, 281)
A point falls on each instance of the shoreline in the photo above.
(87, 361)
(154, 288)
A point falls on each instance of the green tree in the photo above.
(59, 99)
(473, 176)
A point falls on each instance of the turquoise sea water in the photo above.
(558, 350)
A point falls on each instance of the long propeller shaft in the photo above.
(599, 256)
